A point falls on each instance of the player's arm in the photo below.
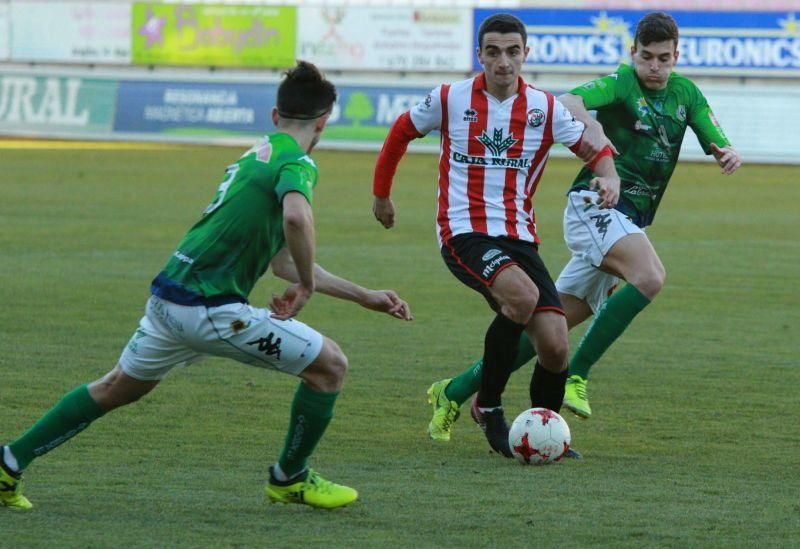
(606, 179)
(298, 229)
(569, 131)
(410, 125)
(386, 301)
(594, 138)
(711, 137)
(394, 147)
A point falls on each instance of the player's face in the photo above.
(654, 63)
(502, 56)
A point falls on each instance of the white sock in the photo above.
(10, 460)
(491, 409)
(278, 473)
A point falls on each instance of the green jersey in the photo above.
(225, 253)
(647, 128)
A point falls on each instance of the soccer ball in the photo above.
(539, 436)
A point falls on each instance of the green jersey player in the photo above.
(260, 217)
(643, 111)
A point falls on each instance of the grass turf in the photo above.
(695, 436)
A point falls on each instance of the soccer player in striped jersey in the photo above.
(644, 109)
(497, 131)
(260, 217)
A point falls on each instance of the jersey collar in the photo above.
(481, 81)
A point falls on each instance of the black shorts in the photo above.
(476, 259)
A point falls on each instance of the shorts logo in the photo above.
(536, 117)
(601, 223)
(268, 346)
(490, 254)
(494, 264)
(428, 101)
(470, 115)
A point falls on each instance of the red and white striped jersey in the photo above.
(492, 155)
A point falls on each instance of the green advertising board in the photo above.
(213, 35)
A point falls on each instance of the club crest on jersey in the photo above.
(536, 117)
(680, 112)
(470, 115)
(497, 143)
(643, 108)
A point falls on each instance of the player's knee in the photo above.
(520, 307)
(327, 373)
(553, 355)
(652, 281)
(338, 365)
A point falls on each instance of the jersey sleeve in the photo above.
(566, 130)
(427, 114)
(296, 176)
(704, 124)
(606, 90)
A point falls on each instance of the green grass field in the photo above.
(695, 441)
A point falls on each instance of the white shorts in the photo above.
(171, 335)
(590, 233)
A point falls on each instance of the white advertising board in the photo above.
(386, 38)
(5, 30)
(71, 32)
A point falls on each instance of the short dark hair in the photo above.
(305, 93)
(656, 26)
(503, 23)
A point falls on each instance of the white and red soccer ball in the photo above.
(539, 436)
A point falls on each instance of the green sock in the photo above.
(311, 413)
(468, 382)
(608, 324)
(73, 413)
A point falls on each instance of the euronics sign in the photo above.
(722, 43)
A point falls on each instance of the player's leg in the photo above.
(253, 337)
(516, 296)
(549, 331)
(150, 354)
(582, 288)
(634, 259)
(460, 388)
(487, 265)
(607, 240)
(291, 480)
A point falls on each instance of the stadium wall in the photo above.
(125, 70)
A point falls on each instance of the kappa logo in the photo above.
(428, 101)
(497, 143)
(681, 112)
(601, 223)
(536, 117)
(470, 115)
(490, 254)
(270, 345)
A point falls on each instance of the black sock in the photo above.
(499, 352)
(547, 388)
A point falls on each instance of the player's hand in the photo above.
(290, 303)
(593, 141)
(383, 208)
(608, 190)
(727, 157)
(387, 301)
